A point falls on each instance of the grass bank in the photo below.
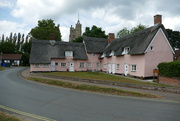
(102, 76)
(2, 68)
(5, 117)
(98, 89)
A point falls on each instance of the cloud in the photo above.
(8, 26)
(6, 3)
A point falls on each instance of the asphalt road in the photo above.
(70, 105)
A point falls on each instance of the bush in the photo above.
(169, 69)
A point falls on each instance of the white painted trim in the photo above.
(165, 38)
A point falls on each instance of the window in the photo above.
(56, 63)
(126, 50)
(89, 64)
(6, 61)
(105, 66)
(46, 65)
(117, 66)
(152, 48)
(81, 65)
(37, 65)
(133, 67)
(112, 53)
(69, 53)
(63, 64)
(93, 54)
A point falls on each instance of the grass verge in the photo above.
(91, 88)
(5, 117)
(2, 68)
(103, 76)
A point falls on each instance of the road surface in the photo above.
(62, 104)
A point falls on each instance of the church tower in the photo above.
(75, 32)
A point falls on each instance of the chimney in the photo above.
(111, 37)
(157, 19)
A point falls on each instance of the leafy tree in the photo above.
(79, 39)
(10, 37)
(95, 32)
(174, 37)
(46, 30)
(124, 32)
(2, 40)
(7, 47)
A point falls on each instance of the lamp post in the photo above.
(1, 58)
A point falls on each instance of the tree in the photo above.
(95, 32)
(174, 38)
(7, 47)
(46, 30)
(124, 32)
(79, 39)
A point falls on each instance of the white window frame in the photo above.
(93, 54)
(37, 65)
(63, 65)
(117, 66)
(151, 48)
(134, 67)
(105, 66)
(69, 53)
(126, 50)
(112, 53)
(81, 65)
(104, 54)
(89, 64)
(6, 61)
(45, 65)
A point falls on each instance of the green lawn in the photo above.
(101, 76)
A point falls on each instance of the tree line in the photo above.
(16, 43)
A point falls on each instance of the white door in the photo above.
(113, 68)
(126, 68)
(109, 67)
(97, 66)
(52, 65)
(71, 66)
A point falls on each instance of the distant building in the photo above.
(75, 32)
(11, 59)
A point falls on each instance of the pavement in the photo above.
(168, 96)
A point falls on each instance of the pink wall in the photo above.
(161, 53)
(138, 60)
(40, 68)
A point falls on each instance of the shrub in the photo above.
(169, 69)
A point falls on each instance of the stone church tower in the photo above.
(75, 32)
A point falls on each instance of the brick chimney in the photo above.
(111, 37)
(157, 19)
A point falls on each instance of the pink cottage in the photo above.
(136, 54)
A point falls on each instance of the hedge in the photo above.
(169, 69)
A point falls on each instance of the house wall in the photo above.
(137, 60)
(40, 68)
(94, 60)
(161, 53)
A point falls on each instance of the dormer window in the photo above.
(126, 50)
(104, 54)
(69, 53)
(112, 53)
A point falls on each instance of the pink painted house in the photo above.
(136, 54)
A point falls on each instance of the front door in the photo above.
(52, 65)
(113, 68)
(71, 66)
(126, 69)
(109, 67)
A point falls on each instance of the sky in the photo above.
(111, 15)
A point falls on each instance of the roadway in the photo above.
(63, 104)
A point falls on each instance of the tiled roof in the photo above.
(11, 56)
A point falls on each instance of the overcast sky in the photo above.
(111, 15)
